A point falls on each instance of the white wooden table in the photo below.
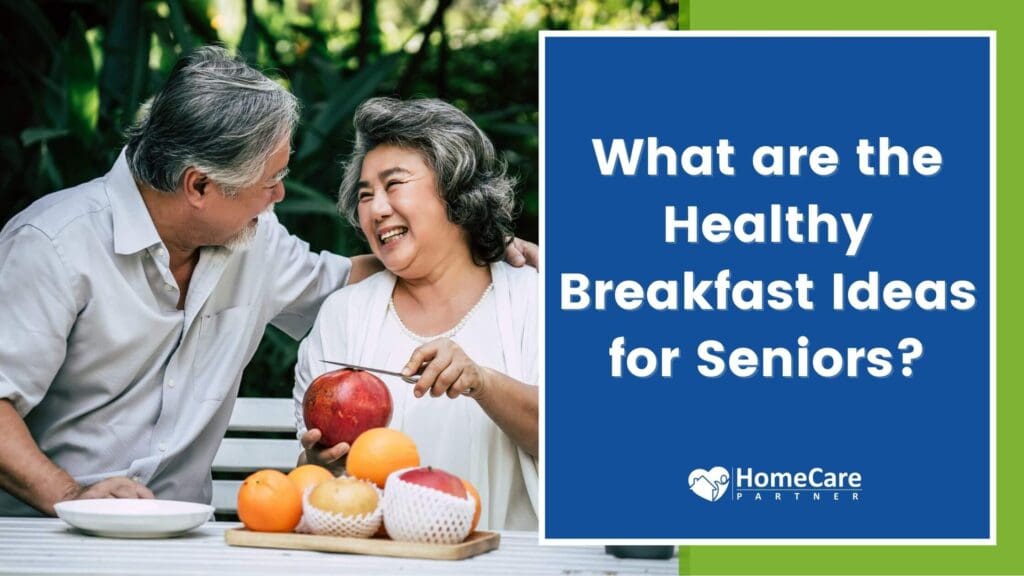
(49, 546)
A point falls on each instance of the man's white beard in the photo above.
(247, 234)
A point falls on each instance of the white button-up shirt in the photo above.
(111, 378)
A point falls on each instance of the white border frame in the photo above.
(991, 540)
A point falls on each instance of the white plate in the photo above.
(131, 518)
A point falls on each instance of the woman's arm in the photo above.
(513, 405)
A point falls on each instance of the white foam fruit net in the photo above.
(323, 522)
(414, 513)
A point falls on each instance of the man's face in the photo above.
(232, 221)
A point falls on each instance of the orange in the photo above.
(269, 502)
(378, 452)
(309, 475)
(476, 496)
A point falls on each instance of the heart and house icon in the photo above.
(709, 484)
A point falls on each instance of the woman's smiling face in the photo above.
(402, 214)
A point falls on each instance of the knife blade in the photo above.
(410, 379)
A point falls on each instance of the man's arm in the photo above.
(299, 280)
(29, 475)
(25, 471)
(518, 253)
(364, 266)
(38, 310)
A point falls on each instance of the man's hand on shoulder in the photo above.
(520, 252)
(364, 266)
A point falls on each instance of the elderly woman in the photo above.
(425, 188)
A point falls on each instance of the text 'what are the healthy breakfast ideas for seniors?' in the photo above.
(807, 224)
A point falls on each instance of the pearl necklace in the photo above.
(446, 334)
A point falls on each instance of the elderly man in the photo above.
(132, 303)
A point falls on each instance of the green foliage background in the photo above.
(76, 72)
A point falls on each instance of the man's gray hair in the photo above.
(216, 114)
(470, 178)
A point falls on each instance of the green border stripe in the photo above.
(1007, 557)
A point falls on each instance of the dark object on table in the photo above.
(647, 552)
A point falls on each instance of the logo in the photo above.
(813, 485)
(709, 484)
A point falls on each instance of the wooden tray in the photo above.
(477, 543)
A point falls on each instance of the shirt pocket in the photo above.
(223, 347)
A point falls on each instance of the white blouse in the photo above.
(455, 435)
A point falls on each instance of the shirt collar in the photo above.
(133, 226)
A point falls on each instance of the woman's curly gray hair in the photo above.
(470, 178)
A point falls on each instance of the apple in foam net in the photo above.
(435, 478)
(343, 404)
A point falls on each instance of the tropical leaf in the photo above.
(303, 199)
(510, 129)
(83, 92)
(168, 48)
(343, 101)
(197, 16)
(119, 53)
(34, 19)
(48, 168)
(306, 206)
(54, 99)
(250, 44)
(181, 31)
(140, 73)
(304, 190)
(485, 118)
(51, 87)
(32, 135)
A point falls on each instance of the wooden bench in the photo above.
(238, 456)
